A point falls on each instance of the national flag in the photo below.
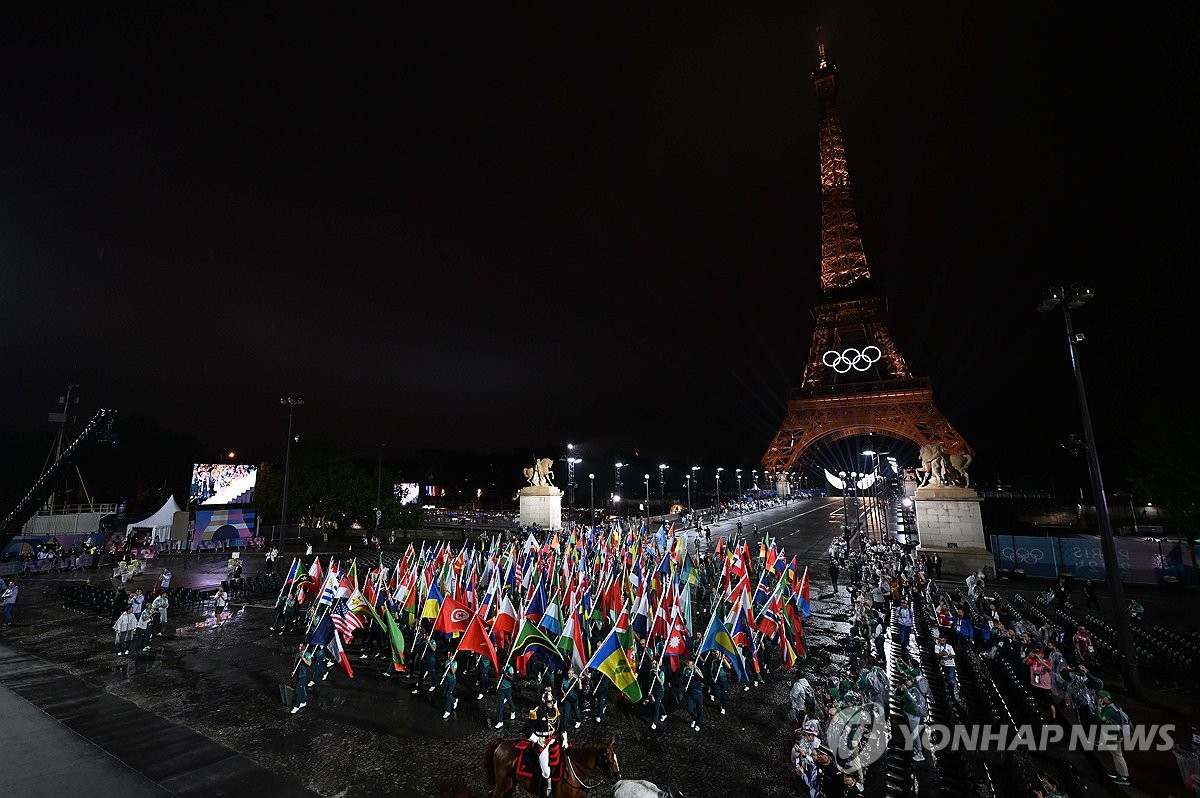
(802, 596)
(396, 638)
(675, 648)
(769, 622)
(741, 630)
(572, 640)
(624, 632)
(433, 603)
(321, 634)
(293, 572)
(316, 572)
(328, 588)
(506, 619)
(761, 593)
(612, 660)
(453, 617)
(537, 604)
(476, 639)
(550, 621)
(787, 653)
(344, 620)
(718, 639)
(530, 638)
(338, 653)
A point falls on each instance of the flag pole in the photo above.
(287, 582)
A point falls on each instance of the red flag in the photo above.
(676, 645)
(453, 617)
(318, 575)
(477, 640)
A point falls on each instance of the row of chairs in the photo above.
(978, 706)
(248, 587)
(1159, 652)
(101, 599)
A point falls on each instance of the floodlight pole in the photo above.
(291, 404)
(1077, 296)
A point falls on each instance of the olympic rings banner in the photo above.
(1142, 561)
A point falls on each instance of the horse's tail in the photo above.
(489, 765)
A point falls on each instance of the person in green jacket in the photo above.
(910, 705)
(1108, 715)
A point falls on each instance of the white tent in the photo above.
(159, 524)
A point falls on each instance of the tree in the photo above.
(1164, 465)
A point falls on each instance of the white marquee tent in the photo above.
(159, 524)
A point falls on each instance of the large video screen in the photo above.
(223, 483)
(230, 526)
(407, 492)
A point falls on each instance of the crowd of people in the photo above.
(889, 582)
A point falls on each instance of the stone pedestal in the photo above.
(783, 488)
(950, 523)
(541, 505)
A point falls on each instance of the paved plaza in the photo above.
(202, 712)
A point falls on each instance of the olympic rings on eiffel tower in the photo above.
(851, 358)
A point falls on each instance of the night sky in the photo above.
(495, 227)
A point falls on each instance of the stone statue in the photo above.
(943, 470)
(541, 473)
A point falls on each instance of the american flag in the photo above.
(344, 620)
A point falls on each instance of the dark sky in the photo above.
(488, 227)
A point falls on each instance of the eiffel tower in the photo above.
(856, 381)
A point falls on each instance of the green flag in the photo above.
(396, 637)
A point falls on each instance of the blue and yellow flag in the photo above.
(433, 603)
(718, 639)
(612, 660)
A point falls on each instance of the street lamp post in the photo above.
(845, 506)
(571, 461)
(754, 480)
(1073, 298)
(687, 481)
(647, 501)
(738, 472)
(617, 488)
(292, 404)
(719, 470)
(662, 495)
(592, 485)
(1122, 494)
(875, 493)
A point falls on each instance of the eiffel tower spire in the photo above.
(843, 262)
(856, 381)
(851, 315)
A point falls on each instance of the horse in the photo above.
(579, 765)
(933, 465)
(640, 788)
(940, 468)
(544, 472)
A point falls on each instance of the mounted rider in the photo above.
(545, 721)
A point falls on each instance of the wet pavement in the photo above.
(202, 711)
